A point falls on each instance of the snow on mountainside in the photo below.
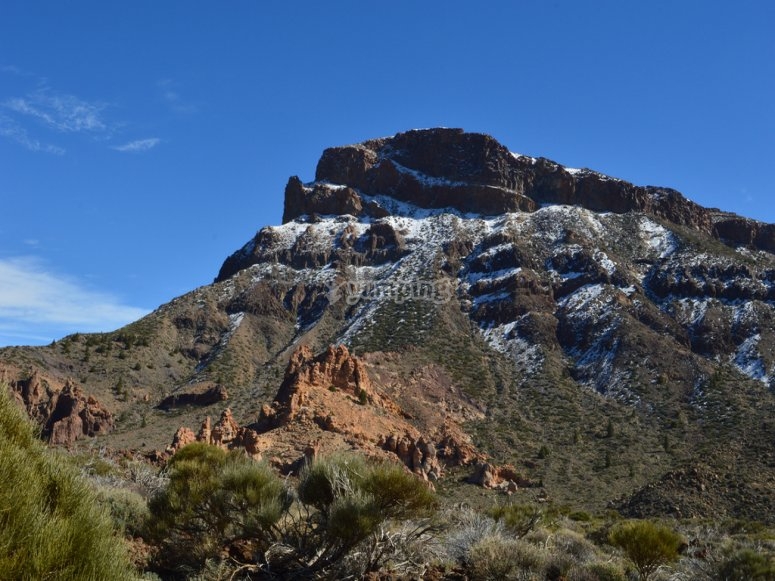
(597, 272)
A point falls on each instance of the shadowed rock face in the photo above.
(201, 397)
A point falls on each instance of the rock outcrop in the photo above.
(226, 433)
(330, 401)
(470, 172)
(75, 415)
(505, 478)
(183, 437)
(333, 392)
(66, 413)
(335, 369)
(419, 455)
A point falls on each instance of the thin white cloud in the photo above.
(36, 302)
(43, 111)
(61, 112)
(14, 132)
(138, 145)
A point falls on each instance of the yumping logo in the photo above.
(398, 291)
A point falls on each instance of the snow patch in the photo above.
(607, 264)
(504, 339)
(425, 179)
(657, 237)
(749, 361)
(581, 299)
(532, 160)
(493, 276)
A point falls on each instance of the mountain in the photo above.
(554, 330)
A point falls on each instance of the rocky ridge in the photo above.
(472, 173)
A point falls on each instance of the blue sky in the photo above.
(142, 142)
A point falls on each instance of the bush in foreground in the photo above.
(214, 500)
(51, 526)
(347, 517)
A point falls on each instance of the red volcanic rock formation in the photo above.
(66, 414)
(330, 399)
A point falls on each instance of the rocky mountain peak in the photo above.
(433, 172)
(472, 173)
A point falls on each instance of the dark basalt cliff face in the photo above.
(472, 173)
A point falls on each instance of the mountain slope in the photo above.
(607, 333)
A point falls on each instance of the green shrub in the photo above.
(346, 521)
(604, 572)
(213, 499)
(322, 481)
(500, 558)
(466, 528)
(128, 509)
(355, 500)
(580, 516)
(558, 566)
(395, 493)
(574, 544)
(648, 545)
(51, 526)
(519, 519)
(747, 565)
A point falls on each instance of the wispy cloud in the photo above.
(38, 304)
(39, 112)
(61, 112)
(138, 145)
(12, 131)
